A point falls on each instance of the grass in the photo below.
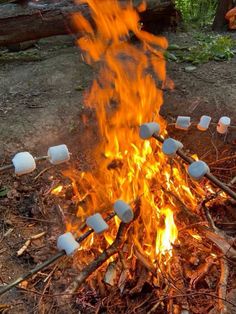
(206, 48)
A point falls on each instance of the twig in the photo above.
(188, 214)
(220, 242)
(232, 182)
(41, 172)
(201, 272)
(28, 242)
(143, 276)
(47, 262)
(214, 145)
(222, 160)
(192, 294)
(162, 297)
(207, 215)
(35, 219)
(144, 260)
(223, 286)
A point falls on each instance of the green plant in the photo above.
(207, 47)
(197, 12)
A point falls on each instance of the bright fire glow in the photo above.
(125, 93)
(197, 237)
(57, 190)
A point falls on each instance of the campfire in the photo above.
(127, 92)
(157, 258)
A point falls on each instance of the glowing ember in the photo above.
(57, 190)
(126, 93)
(197, 237)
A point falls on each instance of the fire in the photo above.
(168, 234)
(197, 237)
(125, 93)
(57, 190)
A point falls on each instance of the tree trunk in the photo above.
(21, 23)
(220, 22)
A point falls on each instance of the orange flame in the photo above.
(126, 93)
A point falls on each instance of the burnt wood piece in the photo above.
(20, 23)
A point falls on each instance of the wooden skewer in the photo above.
(7, 167)
(51, 260)
(209, 176)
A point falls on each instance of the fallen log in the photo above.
(21, 23)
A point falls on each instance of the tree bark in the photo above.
(220, 22)
(21, 23)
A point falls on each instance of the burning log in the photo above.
(24, 23)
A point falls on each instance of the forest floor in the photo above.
(41, 105)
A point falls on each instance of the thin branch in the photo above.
(223, 286)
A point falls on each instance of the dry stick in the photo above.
(47, 262)
(192, 294)
(42, 172)
(219, 161)
(209, 176)
(220, 242)
(222, 290)
(232, 182)
(223, 286)
(104, 256)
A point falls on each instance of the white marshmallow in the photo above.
(24, 163)
(123, 211)
(223, 124)
(198, 169)
(204, 123)
(170, 147)
(58, 154)
(182, 123)
(97, 223)
(148, 129)
(67, 243)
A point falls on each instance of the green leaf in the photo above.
(3, 191)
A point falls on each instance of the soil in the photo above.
(41, 104)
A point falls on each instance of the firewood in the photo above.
(201, 272)
(102, 258)
(220, 242)
(222, 291)
(21, 23)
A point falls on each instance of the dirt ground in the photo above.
(41, 105)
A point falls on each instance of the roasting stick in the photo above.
(209, 176)
(24, 162)
(48, 262)
(11, 166)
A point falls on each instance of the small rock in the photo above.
(190, 68)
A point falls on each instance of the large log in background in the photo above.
(20, 23)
